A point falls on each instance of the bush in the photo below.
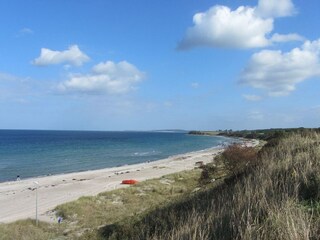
(207, 174)
(236, 157)
(310, 188)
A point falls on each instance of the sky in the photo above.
(147, 65)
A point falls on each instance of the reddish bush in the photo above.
(236, 157)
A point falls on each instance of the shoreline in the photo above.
(112, 167)
(17, 198)
(55, 173)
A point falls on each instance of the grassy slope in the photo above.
(26, 229)
(278, 198)
(89, 213)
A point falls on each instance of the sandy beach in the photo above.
(18, 198)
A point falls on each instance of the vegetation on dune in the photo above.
(88, 213)
(277, 197)
(261, 134)
(273, 193)
(208, 133)
(26, 229)
(266, 134)
(236, 158)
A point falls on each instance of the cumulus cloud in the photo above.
(279, 72)
(73, 56)
(222, 27)
(275, 8)
(253, 98)
(244, 27)
(106, 77)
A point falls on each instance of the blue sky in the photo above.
(142, 65)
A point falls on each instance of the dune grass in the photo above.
(277, 197)
(26, 229)
(110, 207)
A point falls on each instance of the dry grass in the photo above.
(111, 207)
(236, 157)
(274, 199)
(27, 229)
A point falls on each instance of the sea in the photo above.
(34, 153)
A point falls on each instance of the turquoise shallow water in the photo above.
(31, 153)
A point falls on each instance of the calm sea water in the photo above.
(31, 153)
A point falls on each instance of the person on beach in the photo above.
(18, 178)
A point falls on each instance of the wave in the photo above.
(143, 154)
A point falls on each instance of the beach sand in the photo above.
(18, 198)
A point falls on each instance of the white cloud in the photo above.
(244, 27)
(278, 72)
(253, 98)
(222, 27)
(286, 37)
(275, 8)
(25, 31)
(107, 77)
(73, 56)
(195, 85)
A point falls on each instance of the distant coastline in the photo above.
(205, 133)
